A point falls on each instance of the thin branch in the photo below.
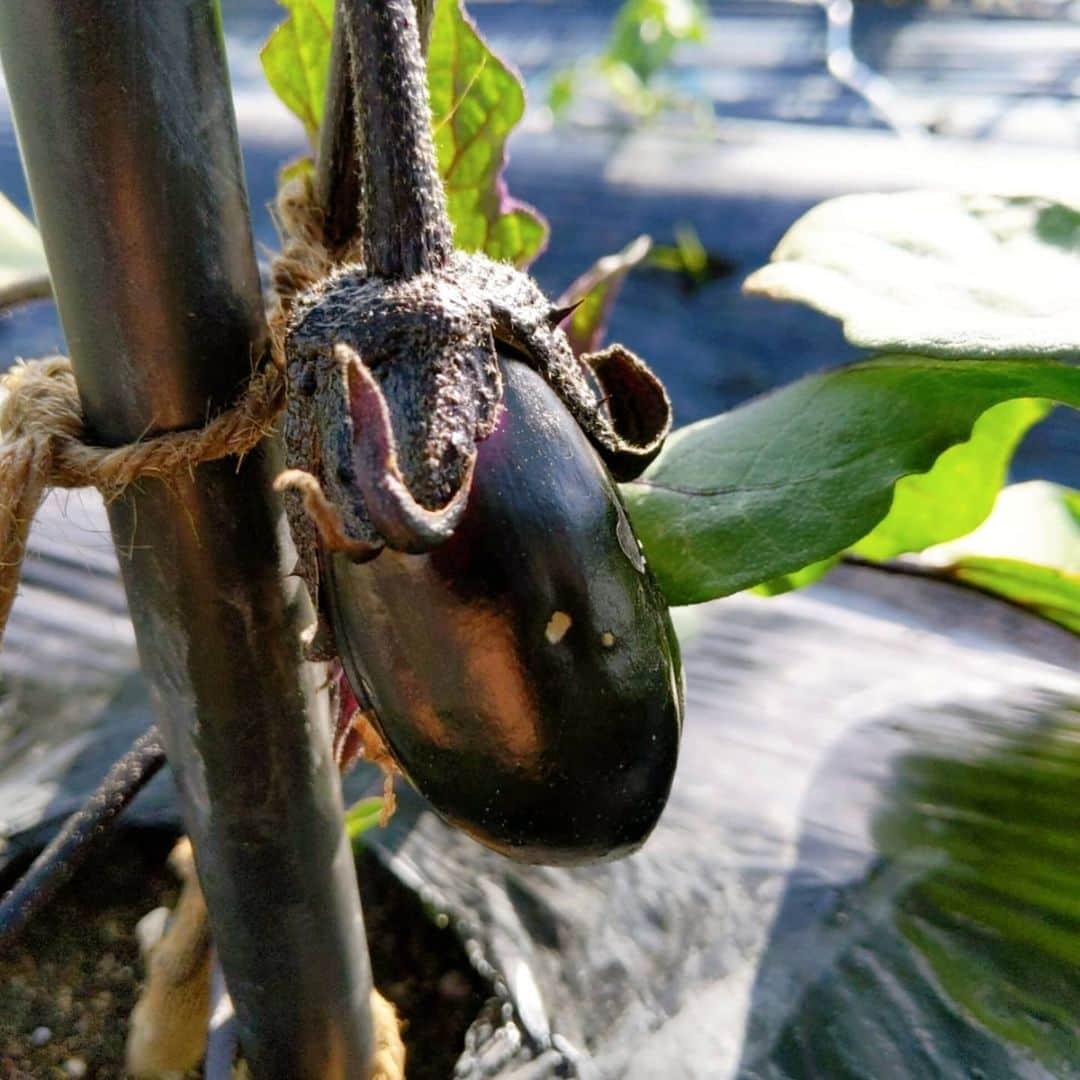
(82, 832)
(338, 178)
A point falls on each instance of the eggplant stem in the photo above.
(338, 178)
(403, 218)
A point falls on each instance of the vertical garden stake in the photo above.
(126, 127)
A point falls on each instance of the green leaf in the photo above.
(1032, 522)
(802, 473)
(1052, 593)
(798, 579)
(1027, 550)
(594, 294)
(646, 33)
(949, 501)
(561, 90)
(690, 259)
(476, 101)
(296, 60)
(686, 256)
(1071, 500)
(362, 816)
(937, 274)
(24, 273)
(958, 493)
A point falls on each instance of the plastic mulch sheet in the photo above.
(868, 866)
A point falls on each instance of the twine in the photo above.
(44, 441)
(46, 445)
(167, 1030)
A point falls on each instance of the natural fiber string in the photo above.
(304, 258)
(44, 442)
(167, 1030)
(45, 445)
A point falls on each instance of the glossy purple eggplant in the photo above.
(524, 674)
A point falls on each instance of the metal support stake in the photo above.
(126, 126)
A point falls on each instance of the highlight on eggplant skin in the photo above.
(524, 674)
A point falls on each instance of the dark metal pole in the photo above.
(125, 122)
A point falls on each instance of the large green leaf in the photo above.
(476, 101)
(802, 473)
(1052, 593)
(1033, 522)
(958, 493)
(1027, 550)
(296, 60)
(24, 274)
(950, 500)
(937, 274)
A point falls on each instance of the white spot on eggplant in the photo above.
(557, 626)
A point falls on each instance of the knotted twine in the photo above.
(46, 445)
(45, 442)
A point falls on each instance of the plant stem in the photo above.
(126, 126)
(404, 224)
(75, 842)
(338, 180)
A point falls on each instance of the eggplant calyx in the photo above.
(324, 515)
(617, 401)
(399, 518)
(638, 406)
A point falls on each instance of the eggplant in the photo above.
(524, 674)
(450, 500)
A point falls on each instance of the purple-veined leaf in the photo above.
(296, 60)
(476, 101)
(593, 294)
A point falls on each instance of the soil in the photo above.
(67, 988)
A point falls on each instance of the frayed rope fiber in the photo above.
(45, 445)
(44, 442)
